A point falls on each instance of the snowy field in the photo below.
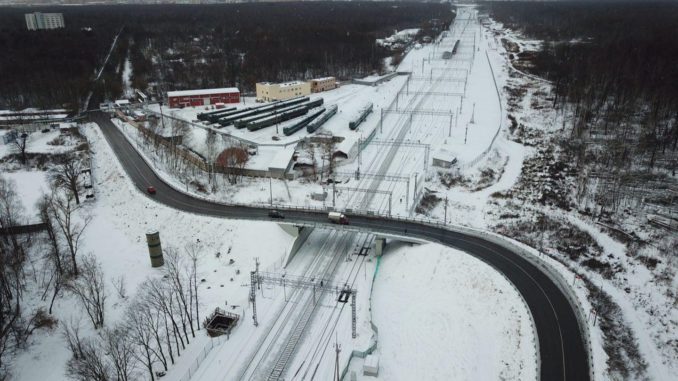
(33, 184)
(439, 311)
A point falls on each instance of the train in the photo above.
(242, 123)
(291, 114)
(317, 123)
(361, 118)
(251, 111)
(289, 130)
(210, 114)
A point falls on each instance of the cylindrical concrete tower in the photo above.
(154, 248)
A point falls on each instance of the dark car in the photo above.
(150, 190)
(276, 214)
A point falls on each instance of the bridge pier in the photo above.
(379, 244)
(301, 233)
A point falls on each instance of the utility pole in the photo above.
(337, 349)
(253, 296)
(449, 134)
(473, 114)
(445, 220)
(270, 189)
(334, 193)
(414, 193)
(466, 133)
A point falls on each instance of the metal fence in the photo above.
(207, 348)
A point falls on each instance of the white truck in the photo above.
(337, 218)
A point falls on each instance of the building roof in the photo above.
(293, 83)
(445, 155)
(282, 159)
(186, 93)
(324, 79)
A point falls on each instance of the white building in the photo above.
(38, 20)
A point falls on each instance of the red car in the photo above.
(150, 190)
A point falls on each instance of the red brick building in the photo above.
(206, 97)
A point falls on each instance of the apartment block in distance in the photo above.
(39, 20)
(206, 97)
(267, 91)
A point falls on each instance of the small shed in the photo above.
(444, 158)
(371, 366)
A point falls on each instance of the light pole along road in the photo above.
(562, 352)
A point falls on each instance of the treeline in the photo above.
(190, 46)
(613, 66)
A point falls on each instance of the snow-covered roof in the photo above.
(324, 79)
(187, 93)
(445, 155)
(408, 32)
(293, 83)
(282, 158)
(346, 145)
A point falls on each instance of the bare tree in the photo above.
(21, 145)
(159, 295)
(12, 260)
(193, 253)
(211, 145)
(88, 361)
(89, 288)
(63, 212)
(175, 272)
(232, 160)
(328, 149)
(120, 352)
(67, 175)
(54, 256)
(141, 337)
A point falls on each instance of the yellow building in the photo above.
(267, 91)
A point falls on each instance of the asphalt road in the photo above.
(562, 352)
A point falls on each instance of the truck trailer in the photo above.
(337, 218)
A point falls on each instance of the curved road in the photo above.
(562, 352)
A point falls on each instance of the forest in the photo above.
(612, 65)
(197, 46)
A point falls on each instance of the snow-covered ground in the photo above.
(439, 311)
(32, 185)
(38, 142)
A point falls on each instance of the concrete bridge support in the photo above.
(302, 233)
(379, 244)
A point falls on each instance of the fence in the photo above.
(207, 348)
(195, 159)
(23, 229)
